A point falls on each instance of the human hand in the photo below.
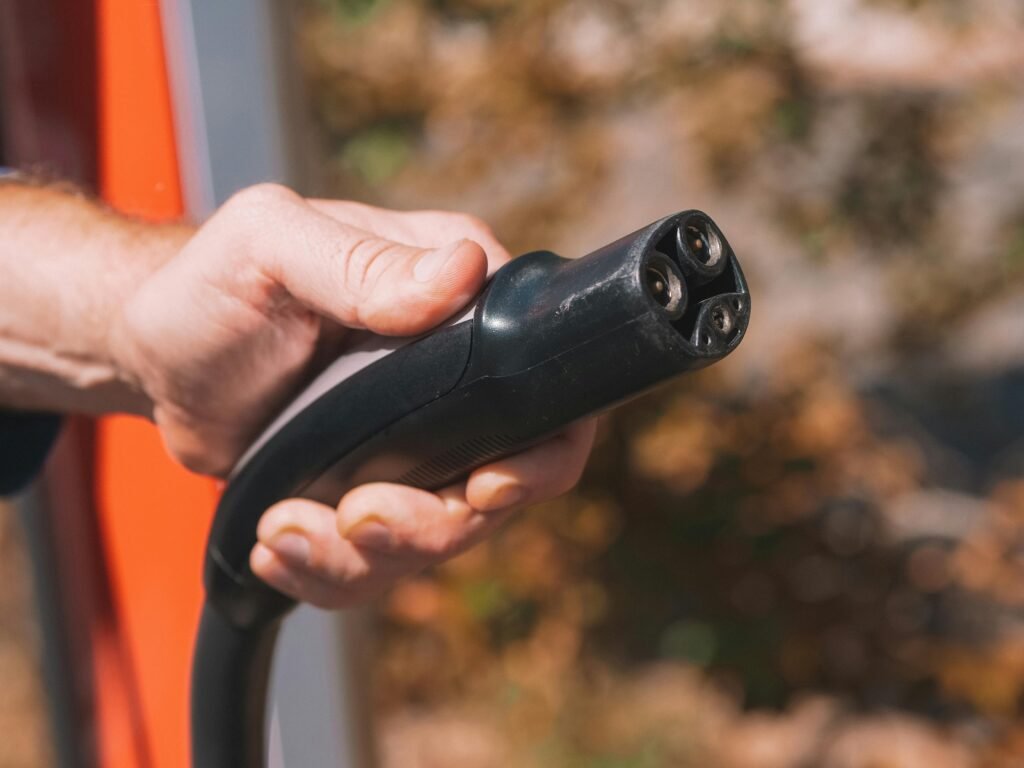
(217, 338)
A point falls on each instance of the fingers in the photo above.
(300, 553)
(382, 532)
(544, 472)
(416, 526)
(345, 273)
(379, 534)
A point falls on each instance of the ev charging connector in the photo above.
(549, 341)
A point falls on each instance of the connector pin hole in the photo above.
(664, 284)
(721, 318)
(702, 241)
(658, 286)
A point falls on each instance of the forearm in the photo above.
(66, 267)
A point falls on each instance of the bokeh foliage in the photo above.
(810, 555)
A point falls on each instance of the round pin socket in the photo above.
(721, 318)
(700, 246)
(664, 284)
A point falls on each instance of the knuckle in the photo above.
(265, 193)
(362, 258)
(365, 250)
(245, 219)
(260, 199)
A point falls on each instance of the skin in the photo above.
(208, 331)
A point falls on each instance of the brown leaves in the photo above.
(752, 532)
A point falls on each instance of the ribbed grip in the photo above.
(455, 463)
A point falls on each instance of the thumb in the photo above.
(419, 289)
(352, 276)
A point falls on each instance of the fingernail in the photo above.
(370, 533)
(431, 263)
(506, 495)
(261, 556)
(291, 547)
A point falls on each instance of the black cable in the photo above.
(63, 691)
(230, 677)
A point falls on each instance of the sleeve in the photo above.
(25, 440)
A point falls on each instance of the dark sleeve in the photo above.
(25, 439)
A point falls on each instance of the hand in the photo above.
(219, 337)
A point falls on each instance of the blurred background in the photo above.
(811, 555)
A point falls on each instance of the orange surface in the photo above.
(153, 515)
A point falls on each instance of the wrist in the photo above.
(133, 252)
(66, 268)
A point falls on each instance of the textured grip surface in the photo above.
(455, 463)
